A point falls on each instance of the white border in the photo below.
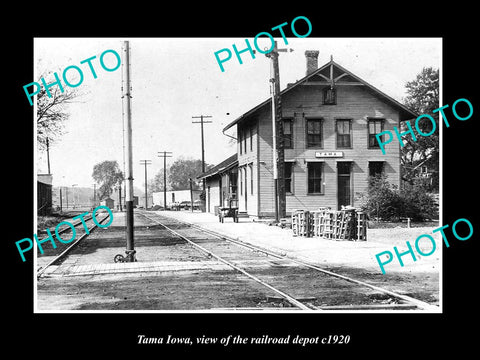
(35, 304)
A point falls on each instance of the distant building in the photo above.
(44, 194)
(136, 200)
(330, 121)
(108, 202)
(425, 171)
(221, 184)
(141, 201)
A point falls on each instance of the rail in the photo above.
(71, 246)
(414, 302)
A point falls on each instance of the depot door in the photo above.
(343, 184)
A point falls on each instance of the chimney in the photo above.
(312, 60)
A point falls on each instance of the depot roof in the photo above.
(221, 167)
(405, 113)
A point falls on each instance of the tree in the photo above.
(178, 174)
(183, 169)
(422, 98)
(51, 112)
(156, 184)
(107, 174)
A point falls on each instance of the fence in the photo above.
(345, 224)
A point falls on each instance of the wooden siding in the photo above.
(247, 133)
(356, 103)
(44, 198)
(265, 159)
(213, 193)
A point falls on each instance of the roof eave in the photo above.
(405, 113)
(221, 167)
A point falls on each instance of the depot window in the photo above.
(251, 138)
(375, 168)
(315, 177)
(314, 133)
(245, 140)
(233, 184)
(330, 96)
(251, 178)
(287, 133)
(240, 140)
(344, 133)
(240, 176)
(375, 126)
(288, 177)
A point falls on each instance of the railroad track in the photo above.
(223, 252)
(53, 256)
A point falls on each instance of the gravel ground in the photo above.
(328, 252)
(420, 279)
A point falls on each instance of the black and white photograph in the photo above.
(262, 183)
(204, 209)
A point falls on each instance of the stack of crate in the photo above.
(361, 226)
(321, 221)
(295, 226)
(302, 223)
(345, 224)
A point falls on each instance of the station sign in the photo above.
(328, 154)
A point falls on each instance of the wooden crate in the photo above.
(301, 223)
(361, 226)
(346, 224)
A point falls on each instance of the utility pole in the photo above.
(48, 156)
(164, 154)
(120, 197)
(201, 122)
(146, 162)
(94, 196)
(73, 189)
(277, 135)
(127, 114)
(191, 193)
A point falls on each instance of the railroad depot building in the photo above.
(330, 119)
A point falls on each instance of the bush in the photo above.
(384, 201)
(418, 204)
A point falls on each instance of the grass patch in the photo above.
(401, 224)
(51, 221)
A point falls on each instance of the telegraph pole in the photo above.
(164, 154)
(127, 114)
(277, 135)
(73, 190)
(191, 193)
(48, 156)
(201, 122)
(94, 196)
(120, 197)
(146, 162)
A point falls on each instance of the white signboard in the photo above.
(328, 154)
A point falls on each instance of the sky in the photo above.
(173, 79)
